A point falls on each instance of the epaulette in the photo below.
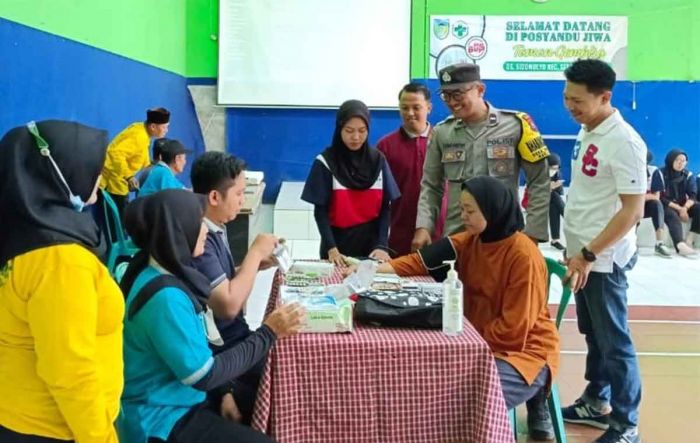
(449, 119)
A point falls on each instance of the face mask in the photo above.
(552, 172)
(76, 202)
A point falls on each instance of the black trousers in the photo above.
(556, 211)
(202, 425)
(244, 387)
(245, 390)
(8, 436)
(121, 202)
(655, 210)
(675, 227)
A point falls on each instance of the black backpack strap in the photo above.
(152, 287)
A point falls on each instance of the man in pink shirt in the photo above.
(404, 150)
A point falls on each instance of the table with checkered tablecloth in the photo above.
(381, 385)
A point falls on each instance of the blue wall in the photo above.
(284, 142)
(46, 76)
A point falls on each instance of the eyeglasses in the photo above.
(455, 95)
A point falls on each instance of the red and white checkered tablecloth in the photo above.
(381, 385)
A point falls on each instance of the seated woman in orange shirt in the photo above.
(505, 293)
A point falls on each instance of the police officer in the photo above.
(479, 139)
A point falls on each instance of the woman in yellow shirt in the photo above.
(61, 370)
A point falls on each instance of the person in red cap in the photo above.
(127, 154)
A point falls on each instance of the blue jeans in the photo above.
(612, 368)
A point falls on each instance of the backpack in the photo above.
(150, 289)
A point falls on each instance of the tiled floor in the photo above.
(655, 281)
(669, 359)
(670, 406)
(669, 352)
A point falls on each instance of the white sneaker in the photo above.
(686, 251)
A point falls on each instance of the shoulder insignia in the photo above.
(449, 119)
(531, 146)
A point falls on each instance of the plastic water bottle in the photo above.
(452, 302)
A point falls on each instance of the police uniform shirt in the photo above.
(499, 146)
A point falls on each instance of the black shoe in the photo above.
(557, 245)
(539, 423)
(540, 429)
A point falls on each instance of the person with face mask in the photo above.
(351, 187)
(679, 197)
(556, 200)
(479, 139)
(61, 371)
(168, 364)
(505, 293)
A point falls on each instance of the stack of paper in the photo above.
(253, 198)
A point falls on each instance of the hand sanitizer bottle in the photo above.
(452, 303)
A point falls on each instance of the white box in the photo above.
(306, 249)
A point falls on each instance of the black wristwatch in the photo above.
(588, 255)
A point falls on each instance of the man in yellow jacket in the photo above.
(128, 153)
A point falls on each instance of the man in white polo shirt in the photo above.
(605, 201)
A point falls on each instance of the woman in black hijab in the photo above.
(351, 188)
(680, 198)
(505, 293)
(168, 364)
(556, 200)
(60, 311)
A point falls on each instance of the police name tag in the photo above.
(500, 151)
(453, 155)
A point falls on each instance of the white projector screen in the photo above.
(313, 53)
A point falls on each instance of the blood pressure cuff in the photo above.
(435, 254)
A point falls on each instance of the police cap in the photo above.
(455, 76)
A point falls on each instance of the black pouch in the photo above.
(400, 309)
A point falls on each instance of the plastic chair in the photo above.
(122, 246)
(553, 402)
